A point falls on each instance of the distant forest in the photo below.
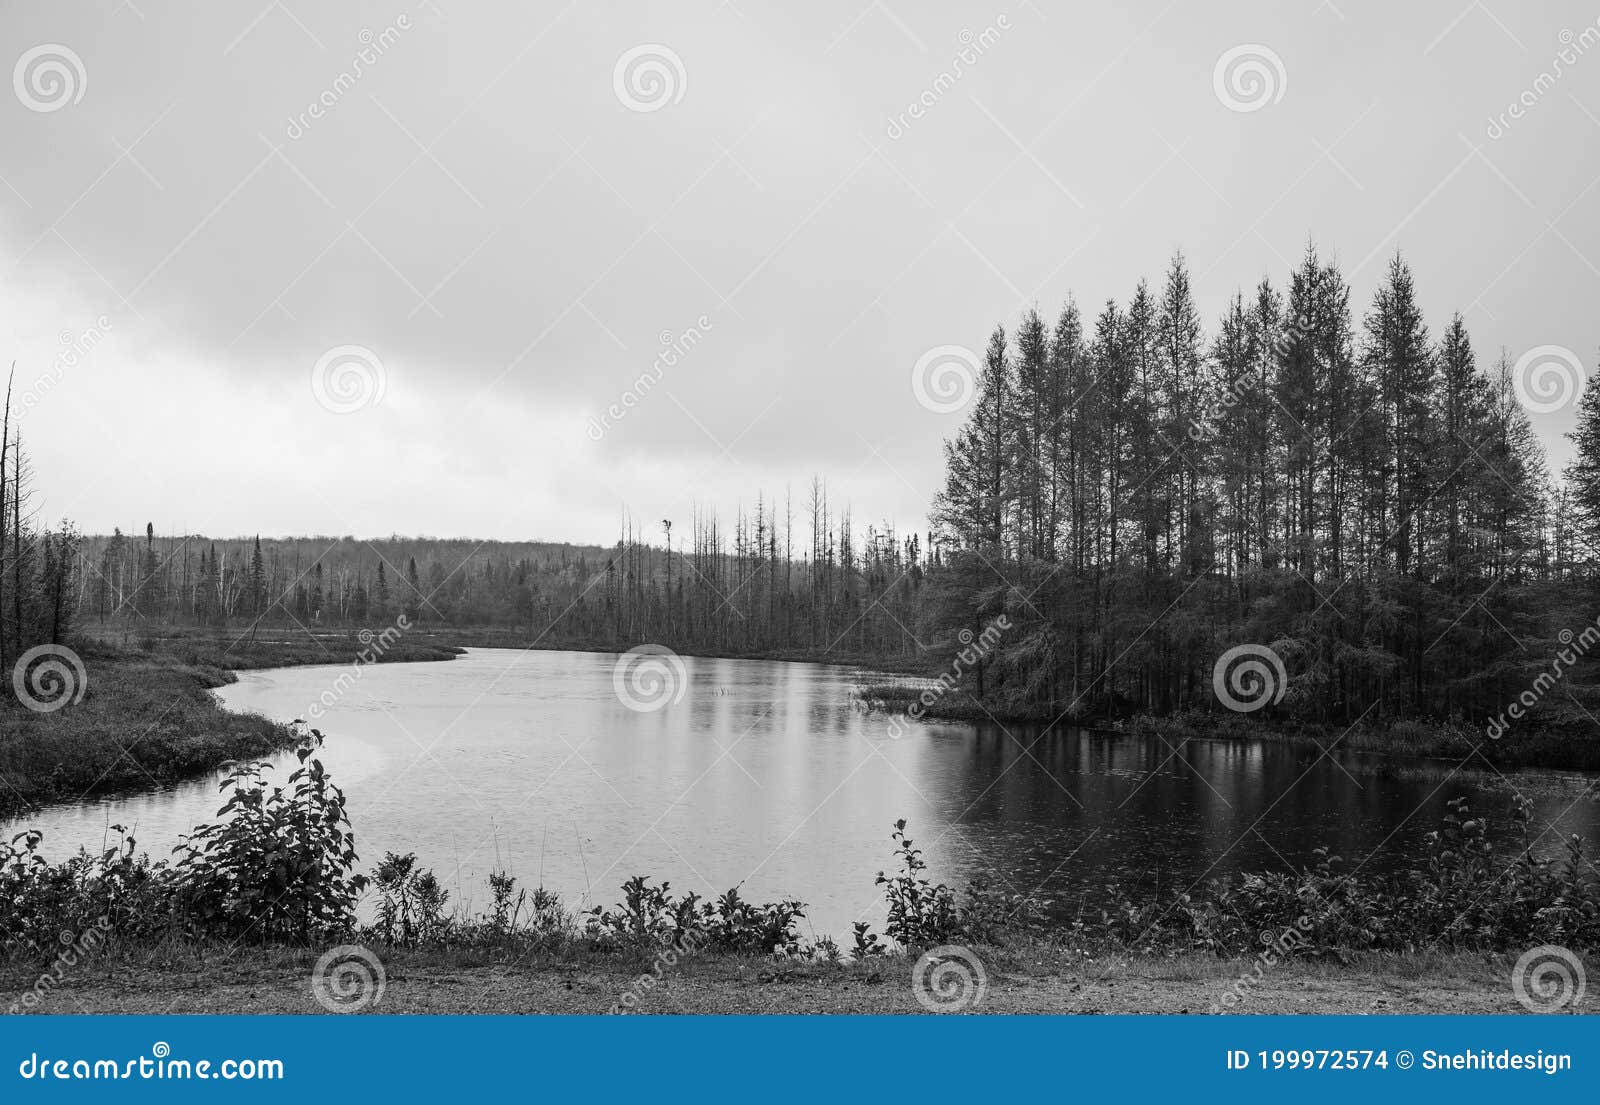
(1134, 494)
(751, 590)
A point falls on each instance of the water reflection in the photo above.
(769, 775)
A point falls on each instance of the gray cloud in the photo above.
(480, 210)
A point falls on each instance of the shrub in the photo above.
(736, 925)
(43, 906)
(651, 915)
(1461, 895)
(410, 902)
(921, 913)
(866, 944)
(924, 914)
(278, 865)
(274, 867)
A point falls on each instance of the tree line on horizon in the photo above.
(761, 585)
(1134, 494)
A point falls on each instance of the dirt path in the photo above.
(258, 984)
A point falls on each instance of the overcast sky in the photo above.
(513, 204)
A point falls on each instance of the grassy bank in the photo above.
(147, 717)
(223, 650)
(1022, 979)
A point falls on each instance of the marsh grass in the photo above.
(143, 723)
(147, 718)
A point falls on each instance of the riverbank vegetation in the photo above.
(143, 721)
(279, 867)
(139, 714)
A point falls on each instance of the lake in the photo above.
(771, 774)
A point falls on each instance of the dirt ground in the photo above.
(1059, 983)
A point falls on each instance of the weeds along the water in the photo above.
(278, 868)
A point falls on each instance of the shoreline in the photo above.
(159, 687)
(897, 665)
(429, 640)
(1402, 741)
(161, 693)
(1020, 980)
(148, 720)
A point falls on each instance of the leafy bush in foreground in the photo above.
(1462, 895)
(924, 914)
(410, 902)
(650, 914)
(44, 905)
(278, 866)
